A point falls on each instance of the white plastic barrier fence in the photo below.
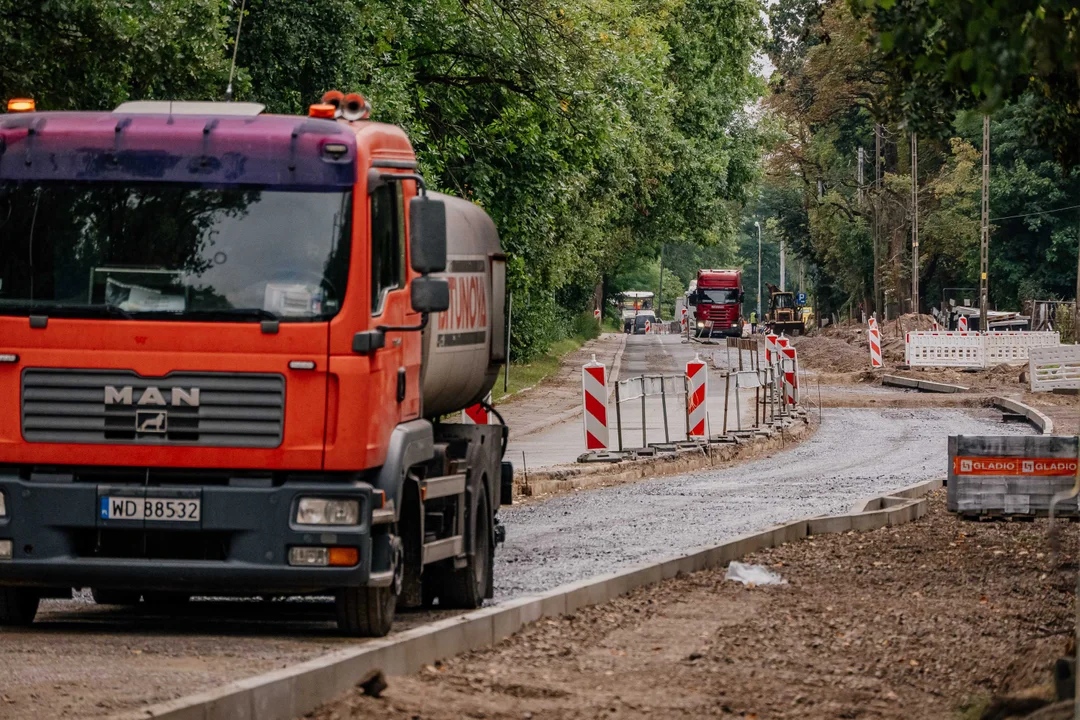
(595, 397)
(1002, 347)
(972, 349)
(944, 349)
(697, 378)
(1054, 368)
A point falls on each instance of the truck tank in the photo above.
(465, 346)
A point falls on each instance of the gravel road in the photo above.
(855, 453)
(85, 661)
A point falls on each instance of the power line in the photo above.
(1031, 214)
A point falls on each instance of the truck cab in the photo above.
(717, 302)
(216, 326)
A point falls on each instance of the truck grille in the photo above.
(116, 406)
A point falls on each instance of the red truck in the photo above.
(230, 338)
(717, 303)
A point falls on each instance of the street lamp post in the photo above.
(758, 226)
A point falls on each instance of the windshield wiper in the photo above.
(230, 314)
(70, 311)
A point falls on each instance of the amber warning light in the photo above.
(20, 105)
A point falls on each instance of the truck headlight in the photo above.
(700, 324)
(324, 511)
(6, 549)
(3, 506)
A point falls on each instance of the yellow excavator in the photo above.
(784, 315)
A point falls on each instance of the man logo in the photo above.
(150, 396)
(965, 466)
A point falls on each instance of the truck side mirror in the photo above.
(430, 294)
(427, 231)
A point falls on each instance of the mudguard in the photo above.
(411, 443)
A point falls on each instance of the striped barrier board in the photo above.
(697, 378)
(595, 398)
(790, 361)
(478, 414)
(874, 336)
(962, 324)
(770, 348)
(1054, 368)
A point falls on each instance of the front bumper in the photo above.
(239, 546)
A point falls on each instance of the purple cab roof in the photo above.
(208, 149)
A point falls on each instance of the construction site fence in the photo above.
(973, 349)
(1054, 368)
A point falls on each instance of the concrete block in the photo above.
(670, 568)
(869, 521)
(273, 695)
(450, 637)
(185, 708)
(826, 525)
(233, 703)
(479, 629)
(411, 652)
(347, 671)
(577, 594)
(553, 604)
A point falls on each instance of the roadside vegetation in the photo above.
(591, 131)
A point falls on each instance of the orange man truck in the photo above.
(226, 341)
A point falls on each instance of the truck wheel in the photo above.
(366, 611)
(467, 587)
(114, 597)
(18, 606)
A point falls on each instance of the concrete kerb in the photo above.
(1041, 422)
(291, 692)
(922, 385)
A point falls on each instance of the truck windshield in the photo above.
(172, 251)
(723, 296)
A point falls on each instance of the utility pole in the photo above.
(877, 219)
(914, 223)
(757, 224)
(783, 273)
(660, 300)
(859, 177)
(984, 252)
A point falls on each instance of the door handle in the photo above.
(401, 385)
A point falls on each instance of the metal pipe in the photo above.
(663, 404)
(727, 392)
(618, 414)
(644, 437)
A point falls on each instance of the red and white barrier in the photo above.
(596, 314)
(595, 398)
(875, 348)
(872, 323)
(648, 327)
(771, 348)
(961, 323)
(478, 414)
(697, 378)
(791, 375)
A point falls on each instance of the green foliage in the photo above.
(585, 326)
(945, 57)
(592, 132)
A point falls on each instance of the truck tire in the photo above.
(466, 588)
(366, 611)
(18, 606)
(104, 596)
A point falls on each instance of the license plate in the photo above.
(151, 509)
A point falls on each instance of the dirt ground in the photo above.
(926, 620)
